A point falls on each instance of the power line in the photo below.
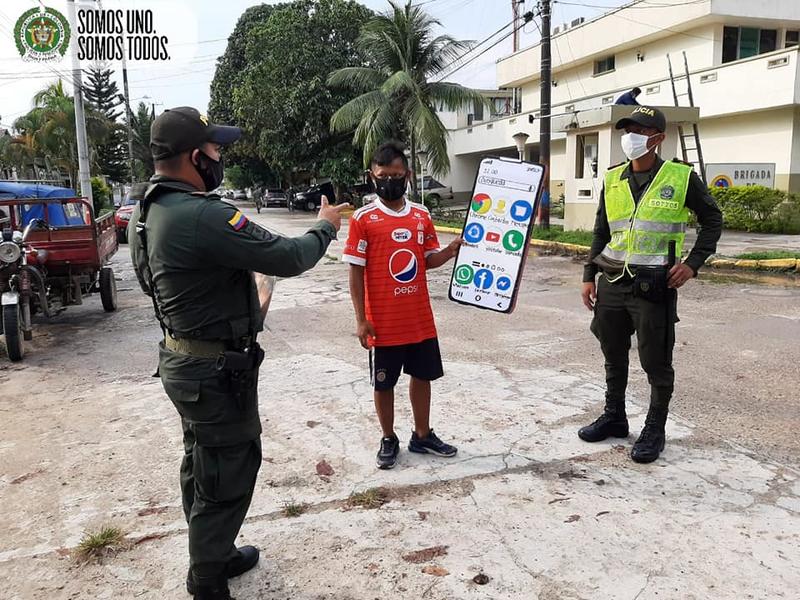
(640, 4)
(656, 27)
(475, 47)
(572, 55)
(528, 17)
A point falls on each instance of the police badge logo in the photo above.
(42, 35)
(667, 192)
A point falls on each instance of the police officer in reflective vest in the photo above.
(199, 259)
(641, 223)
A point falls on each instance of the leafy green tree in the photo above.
(398, 93)
(101, 195)
(281, 99)
(232, 64)
(102, 93)
(237, 177)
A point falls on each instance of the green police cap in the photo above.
(180, 129)
(646, 116)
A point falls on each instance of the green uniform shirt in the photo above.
(201, 255)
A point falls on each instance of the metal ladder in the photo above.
(691, 153)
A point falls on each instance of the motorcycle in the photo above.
(23, 289)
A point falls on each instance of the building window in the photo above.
(477, 110)
(604, 66)
(744, 42)
(792, 38)
(586, 156)
(516, 100)
(768, 41)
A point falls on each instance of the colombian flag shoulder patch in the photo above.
(237, 221)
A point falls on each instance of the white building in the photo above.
(745, 74)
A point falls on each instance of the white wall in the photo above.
(759, 137)
(619, 29)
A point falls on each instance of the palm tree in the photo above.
(57, 135)
(400, 90)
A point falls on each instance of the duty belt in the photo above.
(202, 348)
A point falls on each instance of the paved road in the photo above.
(87, 438)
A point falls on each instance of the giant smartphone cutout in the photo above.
(497, 229)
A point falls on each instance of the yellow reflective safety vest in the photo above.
(640, 234)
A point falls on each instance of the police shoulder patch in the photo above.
(238, 221)
(256, 231)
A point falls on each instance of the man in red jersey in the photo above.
(391, 244)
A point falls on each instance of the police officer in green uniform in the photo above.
(196, 257)
(641, 222)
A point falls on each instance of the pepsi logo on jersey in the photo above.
(403, 269)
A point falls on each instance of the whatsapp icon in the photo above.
(464, 274)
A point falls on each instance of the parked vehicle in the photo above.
(435, 192)
(356, 194)
(275, 197)
(53, 253)
(123, 214)
(311, 199)
(239, 195)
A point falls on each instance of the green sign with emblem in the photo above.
(42, 35)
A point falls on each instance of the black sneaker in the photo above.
(430, 445)
(387, 455)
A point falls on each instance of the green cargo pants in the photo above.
(222, 456)
(617, 315)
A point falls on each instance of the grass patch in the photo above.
(97, 545)
(768, 255)
(371, 498)
(445, 222)
(290, 509)
(556, 233)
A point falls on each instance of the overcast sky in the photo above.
(197, 32)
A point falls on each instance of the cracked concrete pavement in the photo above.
(87, 438)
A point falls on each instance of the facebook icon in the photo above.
(483, 279)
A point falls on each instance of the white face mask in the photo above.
(634, 145)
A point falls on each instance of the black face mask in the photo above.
(391, 189)
(210, 170)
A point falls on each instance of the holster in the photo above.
(240, 369)
(650, 283)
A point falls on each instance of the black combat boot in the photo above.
(211, 588)
(245, 559)
(651, 441)
(612, 423)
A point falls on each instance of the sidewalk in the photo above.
(734, 243)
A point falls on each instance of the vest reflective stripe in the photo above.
(640, 233)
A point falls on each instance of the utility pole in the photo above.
(544, 124)
(80, 116)
(128, 114)
(515, 12)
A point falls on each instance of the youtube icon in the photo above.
(493, 237)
